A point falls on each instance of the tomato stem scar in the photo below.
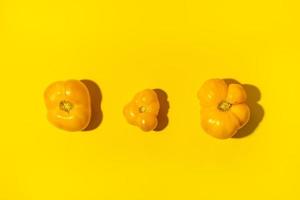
(66, 106)
(224, 106)
(142, 109)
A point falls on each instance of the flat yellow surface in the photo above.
(126, 46)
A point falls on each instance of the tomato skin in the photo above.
(223, 108)
(143, 110)
(68, 104)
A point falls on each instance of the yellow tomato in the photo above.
(223, 108)
(68, 104)
(142, 111)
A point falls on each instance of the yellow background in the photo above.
(126, 46)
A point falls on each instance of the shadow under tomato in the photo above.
(96, 98)
(163, 119)
(257, 111)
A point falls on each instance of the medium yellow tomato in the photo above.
(223, 108)
(68, 104)
(143, 110)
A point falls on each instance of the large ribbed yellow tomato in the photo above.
(223, 108)
(68, 104)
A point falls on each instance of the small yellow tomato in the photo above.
(223, 108)
(68, 104)
(143, 110)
